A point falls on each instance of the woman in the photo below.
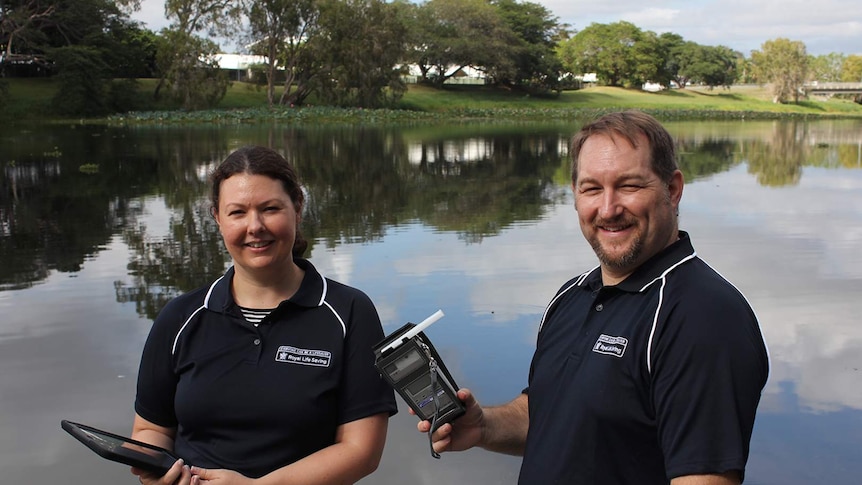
(266, 375)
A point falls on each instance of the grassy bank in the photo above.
(32, 99)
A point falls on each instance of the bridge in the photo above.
(828, 89)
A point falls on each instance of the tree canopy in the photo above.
(357, 52)
(783, 63)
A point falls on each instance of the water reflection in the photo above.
(109, 223)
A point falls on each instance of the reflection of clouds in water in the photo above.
(513, 273)
(825, 210)
(339, 264)
(794, 252)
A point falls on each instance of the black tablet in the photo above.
(121, 449)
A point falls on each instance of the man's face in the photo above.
(626, 212)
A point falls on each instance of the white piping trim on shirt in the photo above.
(663, 278)
(578, 282)
(186, 323)
(323, 302)
(340, 320)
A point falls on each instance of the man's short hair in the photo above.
(630, 125)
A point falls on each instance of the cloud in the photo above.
(824, 27)
(828, 26)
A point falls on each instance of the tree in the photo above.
(357, 51)
(712, 66)
(30, 29)
(279, 30)
(21, 34)
(668, 46)
(851, 69)
(190, 71)
(537, 32)
(784, 65)
(616, 52)
(82, 82)
(455, 34)
(184, 59)
(827, 67)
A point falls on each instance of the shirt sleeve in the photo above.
(157, 381)
(708, 370)
(363, 392)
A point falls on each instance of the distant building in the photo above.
(240, 65)
(463, 75)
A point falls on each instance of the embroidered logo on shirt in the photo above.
(615, 346)
(293, 355)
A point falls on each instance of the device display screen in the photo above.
(405, 364)
(122, 449)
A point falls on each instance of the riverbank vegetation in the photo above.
(246, 102)
(89, 56)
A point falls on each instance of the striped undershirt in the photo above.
(254, 315)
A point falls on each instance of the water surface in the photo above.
(100, 226)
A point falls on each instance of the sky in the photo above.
(824, 26)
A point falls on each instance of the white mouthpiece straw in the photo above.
(415, 330)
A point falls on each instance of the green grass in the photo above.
(735, 99)
(31, 99)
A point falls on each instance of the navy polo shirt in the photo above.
(256, 398)
(656, 377)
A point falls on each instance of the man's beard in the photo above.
(622, 261)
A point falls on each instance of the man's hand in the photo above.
(461, 434)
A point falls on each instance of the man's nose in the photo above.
(610, 206)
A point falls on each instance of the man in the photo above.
(648, 368)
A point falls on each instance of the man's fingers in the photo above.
(441, 445)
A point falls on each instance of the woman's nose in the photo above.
(255, 222)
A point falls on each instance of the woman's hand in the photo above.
(178, 474)
(202, 476)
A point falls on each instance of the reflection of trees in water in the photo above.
(359, 182)
(191, 253)
(54, 213)
(779, 160)
(362, 181)
(699, 158)
(62, 196)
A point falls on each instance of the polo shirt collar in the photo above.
(311, 292)
(651, 270)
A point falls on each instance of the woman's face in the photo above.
(258, 221)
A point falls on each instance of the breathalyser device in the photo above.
(411, 365)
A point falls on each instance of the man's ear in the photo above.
(674, 187)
